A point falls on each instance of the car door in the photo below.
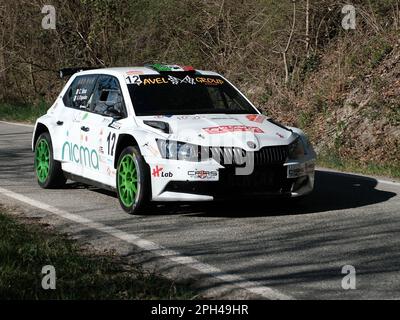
(74, 152)
(107, 109)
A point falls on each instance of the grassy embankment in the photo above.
(333, 161)
(80, 274)
(22, 113)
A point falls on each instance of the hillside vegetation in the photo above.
(292, 58)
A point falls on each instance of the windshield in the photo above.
(183, 93)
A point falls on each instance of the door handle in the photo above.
(60, 123)
(86, 129)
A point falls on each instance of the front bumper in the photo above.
(174, 180)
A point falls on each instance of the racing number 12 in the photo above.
(111, 143)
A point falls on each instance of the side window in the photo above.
(79, 93)
(107, 98)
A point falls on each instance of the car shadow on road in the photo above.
(333, 191)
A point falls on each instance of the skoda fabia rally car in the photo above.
(167, 133)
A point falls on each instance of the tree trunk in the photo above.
(284, 53)
(308, 28)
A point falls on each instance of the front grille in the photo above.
(271, 155)
(267, 180)
(270, 178)
(265, 156)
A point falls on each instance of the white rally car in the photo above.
(167, 133)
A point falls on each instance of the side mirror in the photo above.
(117, 116)
(113, 110)
(114, 105)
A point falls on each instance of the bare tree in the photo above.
(308, 28)
(285, 51)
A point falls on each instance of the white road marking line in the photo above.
(18, 124)
(393, 183)
(233, 280)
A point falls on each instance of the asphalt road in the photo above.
(284, 249)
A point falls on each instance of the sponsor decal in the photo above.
(295, 171)
(301, 169)
(310, 166)
(80, 95)
(102, 159)
(209, 81)
(233, 128)
(188, 117)
(158, 173)
(153, 150)
(259, 118)
(106, 120)
(110, 172)
(76, 118)
(203, 174)
(159, 80)
(135, 78)
(163, 116)
(80, 155)
(115, 125)
(186, 79)
(280, 135)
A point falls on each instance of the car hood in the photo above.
(247, 131)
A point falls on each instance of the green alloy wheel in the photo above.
(42, 160)
(48, 171)
(127, 180)
(131, 180)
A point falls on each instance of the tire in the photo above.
(47, 170)
(132, 181)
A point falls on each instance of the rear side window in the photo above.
(79, 93)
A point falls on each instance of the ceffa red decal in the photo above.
(256, 117)
(234, 128)
(133, 73)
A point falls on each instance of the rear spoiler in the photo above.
(66, 72)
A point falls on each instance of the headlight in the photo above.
(296, 149)
(175, 150)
